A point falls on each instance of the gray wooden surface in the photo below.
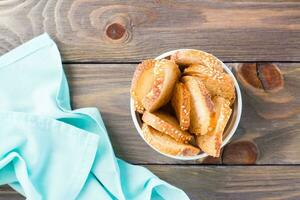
(126, 31)
(102, 41)
(222, 182)
(275, 138)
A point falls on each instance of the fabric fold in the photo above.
(45, 167)
(48, 150)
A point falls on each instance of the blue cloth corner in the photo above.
(50, 152)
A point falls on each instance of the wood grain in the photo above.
(10, 196)
(129, 31)
(218, 182)
(7, 193)
(269, 132)
(233, 182)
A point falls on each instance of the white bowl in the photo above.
(230, 127)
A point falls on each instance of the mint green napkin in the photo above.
(47, 150)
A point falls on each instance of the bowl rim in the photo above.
(231, 132)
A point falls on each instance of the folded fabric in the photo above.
(47, 150)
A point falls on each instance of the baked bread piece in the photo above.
(217, 83)
(167, 124)
(166, 74)
(188, 57)
(181, 104)
(202, 108)
(166, 144)
(142, 83)
(152, 84)
(212, 141)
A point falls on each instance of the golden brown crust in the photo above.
(141, 83)
(202, 108)
(181, 103)
(188, 57)
(217, 83)
(166, 144)
(166, 74)
(212, 141)
(155, 83)
(167, 124)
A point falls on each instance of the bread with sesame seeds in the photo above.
(217, 83)
(181, 104)
(188, 57)
(185, 102)
(142, 82)
(166, 144)
(166, 74)
(153, 83)
(202, 108)
(211, 142)
(166, 124)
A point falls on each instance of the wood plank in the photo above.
(269, 132)
(263, 182)
(270, 121)
(129, 31)
(223, 182)
(10, 196)
(7, 193)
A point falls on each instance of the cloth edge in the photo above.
(25, 49)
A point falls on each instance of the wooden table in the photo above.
(101, 43)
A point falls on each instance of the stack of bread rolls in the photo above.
(185, 102)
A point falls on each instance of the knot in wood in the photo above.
(270, 76)
(242, 152)
(248, 71)
(265, 76)
(115, 31)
